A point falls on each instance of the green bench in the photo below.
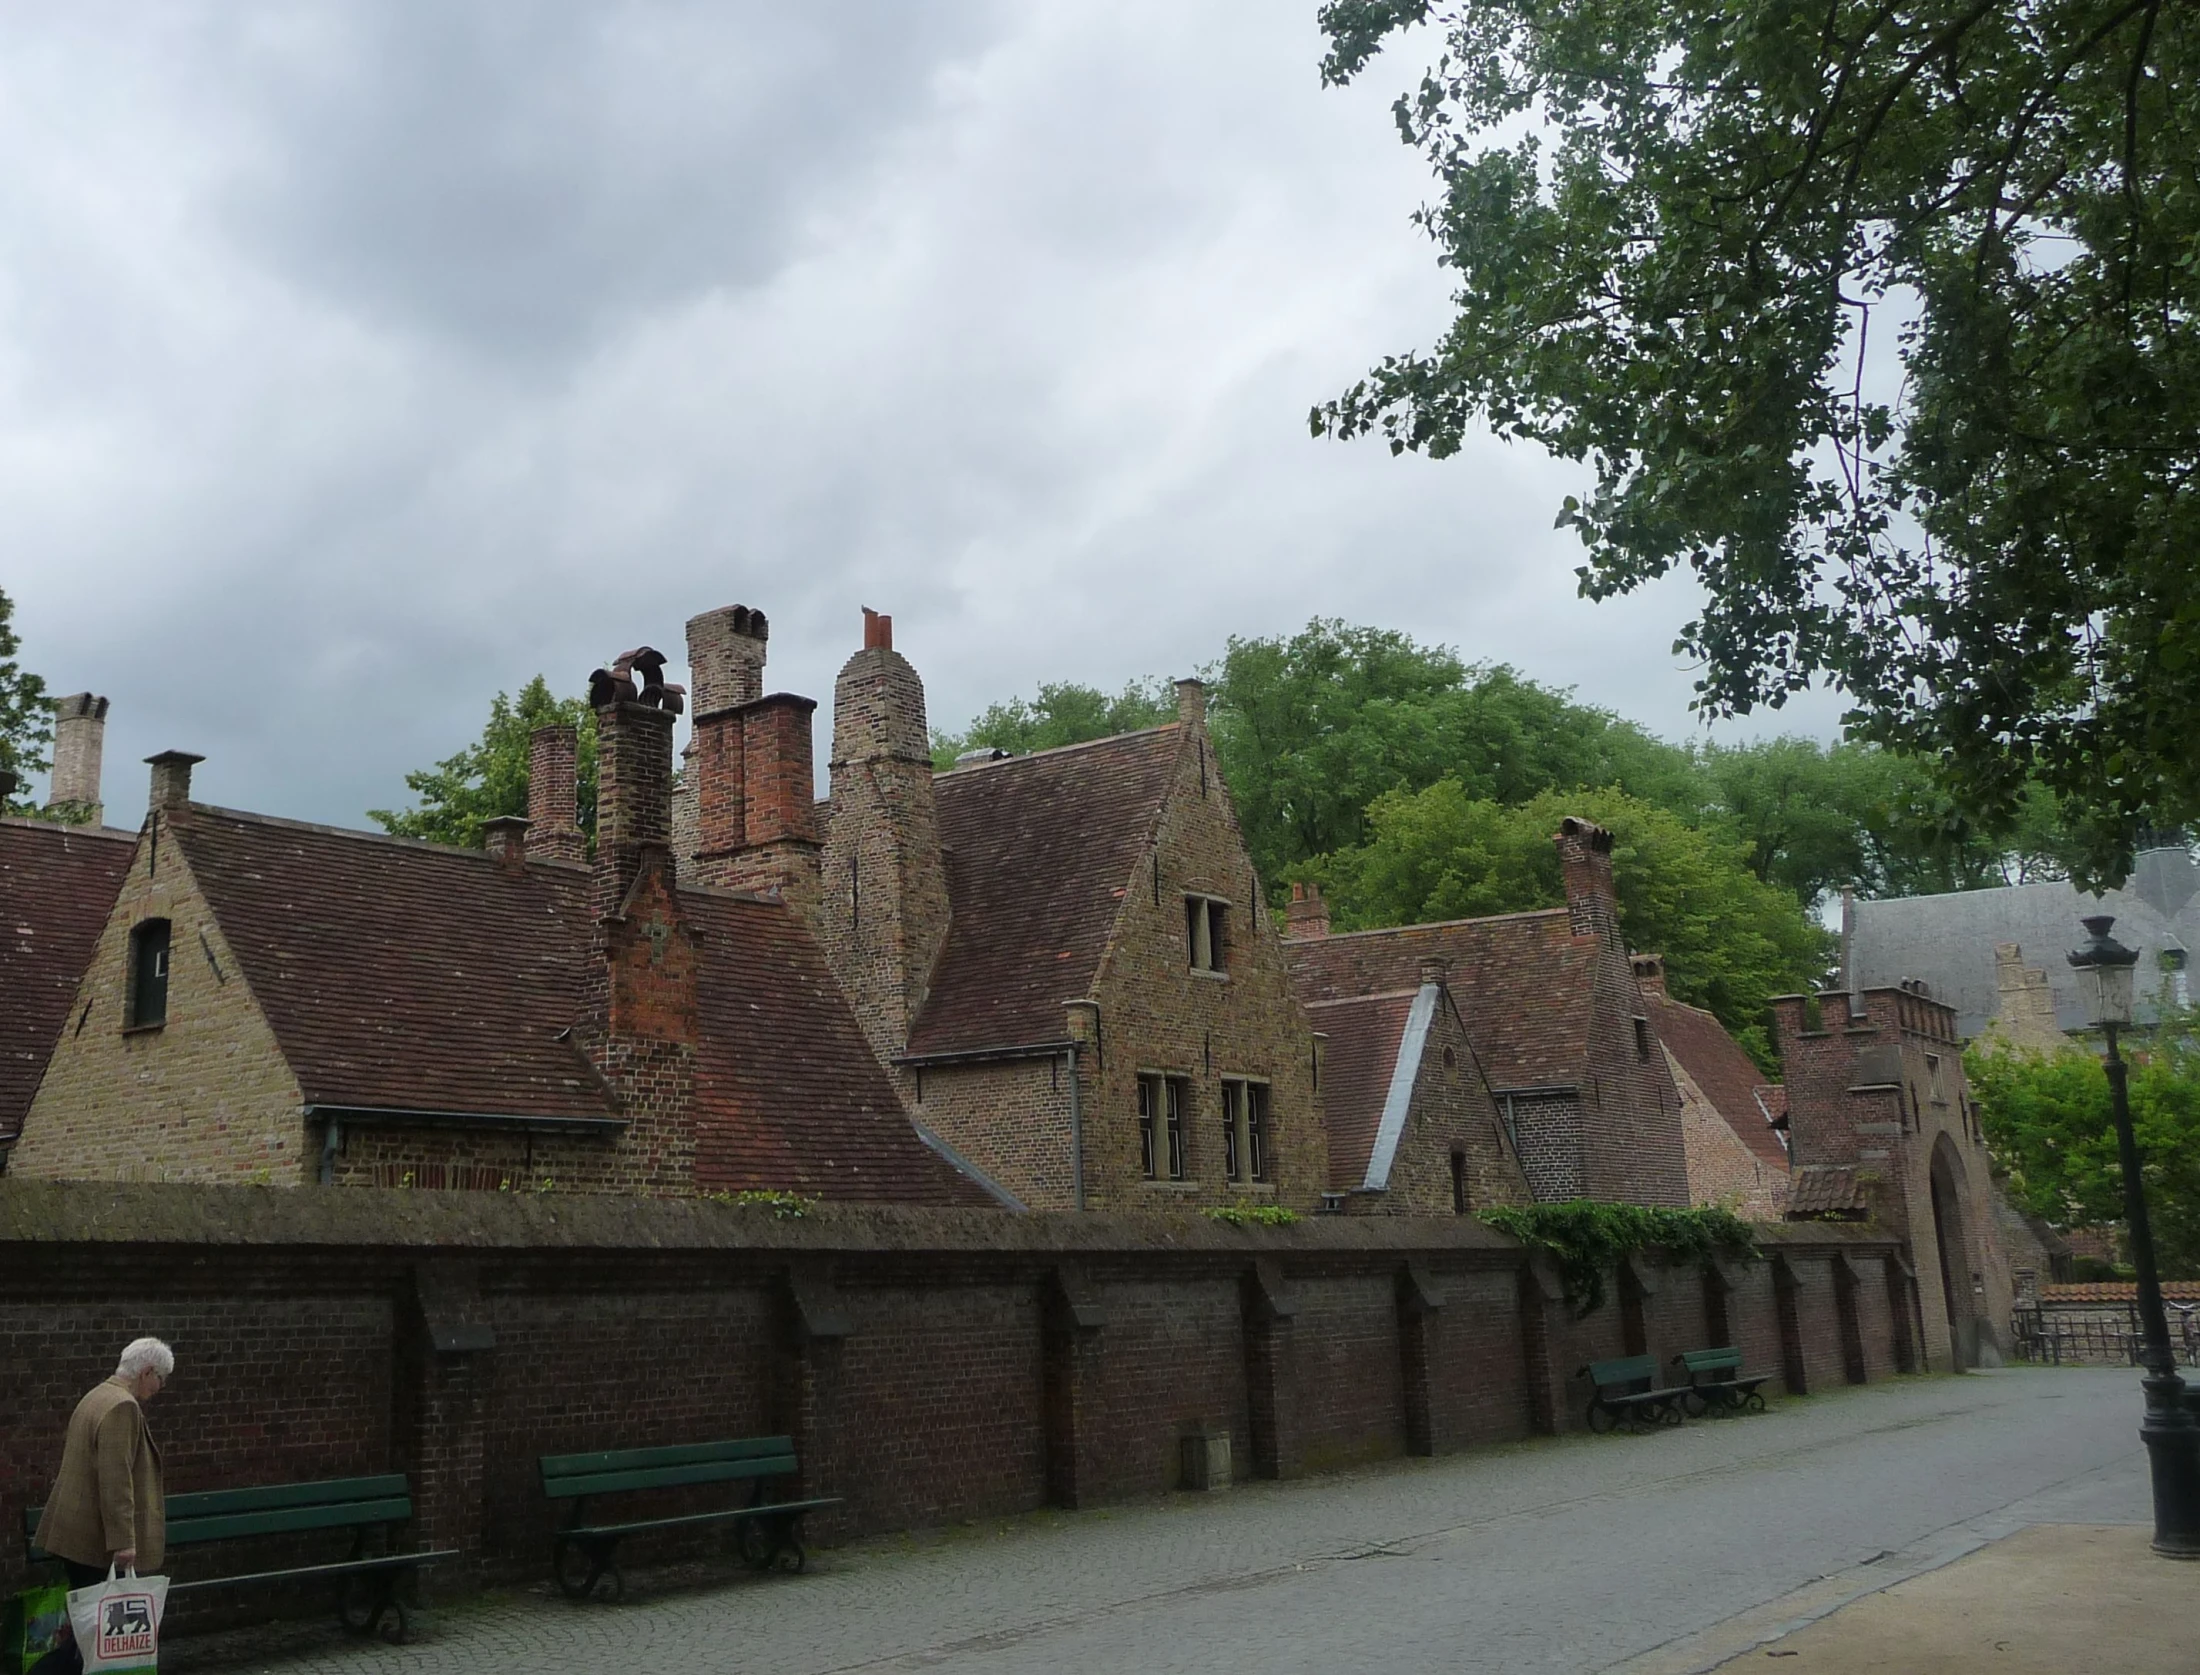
(362, 1505)
(768, 1531)
(1625, 1390)
(1717, 1384)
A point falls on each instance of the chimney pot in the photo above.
(1307, 914)
(1649, 973)
(504, 836)
(726, 653)
(1585, 857)
(878, 631)
(172, 777)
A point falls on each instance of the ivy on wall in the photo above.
(1588, 1239)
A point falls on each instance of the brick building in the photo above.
(1732, 1119)
(1064, 957)
(1882, 1128)
(1558, 1023)
(357, 1009)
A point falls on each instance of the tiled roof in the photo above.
(2118, 1291)
(789, 1095)
(57, 886)
(404, 975)
(1040, 849)
(1522, 983)
(1728, 1076)
(1364, 1033)
(409, 976)
(1824, 1189)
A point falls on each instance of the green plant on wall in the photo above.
(1588, 1239)
(1252, 1215)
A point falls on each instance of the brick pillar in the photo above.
(1794, 1368)
(805, 1398)
(444, 1353)
(1072, 1317)
(1271, 1373)
(1902, 1310)
(553, 795)
(1853, 1364)
(1542, 1306)
(1718, 1324)
(1633, 1287)
(1420, 1338)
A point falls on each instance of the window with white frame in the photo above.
(1206, 933)
(1246, 1152)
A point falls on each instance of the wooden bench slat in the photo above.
(725, 1515)
(670, 1477)
(207, 1503)
(345, 1567)
(645, 1459)
(287, 1521)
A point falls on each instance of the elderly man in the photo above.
(106, 1506)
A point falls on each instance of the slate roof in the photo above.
(409, 976)
(1039, 849)
(1362, 1054)
(1728, 1076)
(1523, 983)
(57, 887)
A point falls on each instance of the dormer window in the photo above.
(148, 1007)
(1206, 931)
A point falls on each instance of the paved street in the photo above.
(1655, 1555)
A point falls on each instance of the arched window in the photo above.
(149, 974)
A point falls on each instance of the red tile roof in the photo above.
(2118, 1291)
(57, 886)
(1364, 1034)
(1040, 849)
(410, 976)
(1523, 983)
(1728, 1076)
(1824, 1189)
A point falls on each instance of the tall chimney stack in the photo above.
(884, 908)
(1585, 859)
(553, 795)
(79, 738)
(751, 792)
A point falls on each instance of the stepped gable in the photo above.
(401, 975)
(57, 887)
(1040, 850)
(788, 1094)
(1523, 984)
(1728, 1076)
(1364, 1033)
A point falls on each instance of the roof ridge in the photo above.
(1052, 750)
(1362, 1000)
(391, 839)
(32, 823)
(1425, 925)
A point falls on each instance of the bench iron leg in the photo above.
(596, 1554)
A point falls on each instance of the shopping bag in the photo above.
(117, 1623)
(32, 1626)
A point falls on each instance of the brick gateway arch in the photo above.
(1952, 1241)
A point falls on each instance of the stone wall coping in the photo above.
(146, 1213)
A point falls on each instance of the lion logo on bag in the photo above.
(125, 1626)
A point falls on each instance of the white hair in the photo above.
(146, 1355)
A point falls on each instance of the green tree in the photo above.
(2048, 1123)
(489, 777)
(1060, 713)
(26, 714)
(1730, 940)
(1884, 320)
(1311, 730)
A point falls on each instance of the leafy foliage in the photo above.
(1252, 1215)
(1588, 1239)
(1060, 713)
(1730, 941)
(26, 713)
(1880, 319)
(784, 1206)
(2048, 1123)
(489, 777)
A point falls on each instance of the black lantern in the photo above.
(2170, 1431)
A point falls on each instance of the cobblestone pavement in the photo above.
(1662, 1554)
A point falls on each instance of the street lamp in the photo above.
(2104, 968)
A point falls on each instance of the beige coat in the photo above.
(108, 1495)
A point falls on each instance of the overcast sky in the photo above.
(359, 361)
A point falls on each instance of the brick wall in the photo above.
(932, 1366)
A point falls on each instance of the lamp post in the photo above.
(2172, 1436)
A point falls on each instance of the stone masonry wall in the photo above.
(931, 1366)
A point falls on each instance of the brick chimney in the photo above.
(504, 836)
(171, 778)
(884, 909)
(643, 980)
(751, 771)
(1585, 857)
(79, 738)
(553, 795)
(1435, 969)
(1307, 914)
(1649, 973)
